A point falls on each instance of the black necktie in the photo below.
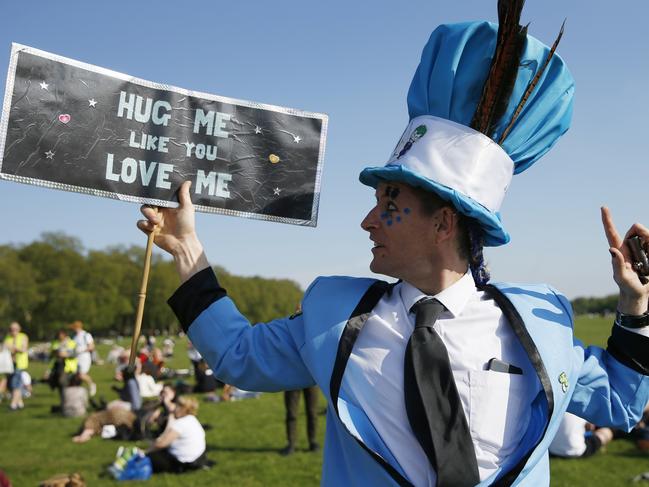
(433, 404)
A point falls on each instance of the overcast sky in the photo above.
(354, 61)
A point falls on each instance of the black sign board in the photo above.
(78, 127)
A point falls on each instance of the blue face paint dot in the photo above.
(384, 215)
(406, 210)
(389, 222)
(398, 219)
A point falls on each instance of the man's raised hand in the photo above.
(633, 293)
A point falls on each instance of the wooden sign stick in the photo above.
(142, 299)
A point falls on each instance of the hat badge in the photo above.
(415, 135)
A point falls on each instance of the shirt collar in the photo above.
(454, 298)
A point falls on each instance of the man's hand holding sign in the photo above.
(174, 231)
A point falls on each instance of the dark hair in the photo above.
(477, 264)
(470, 240)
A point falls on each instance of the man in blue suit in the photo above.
(441, 378)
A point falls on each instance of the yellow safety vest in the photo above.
(70, 362)
(21, 359)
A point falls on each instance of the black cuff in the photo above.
(632, 349)
(194, 296)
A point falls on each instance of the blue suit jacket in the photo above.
(313, 348)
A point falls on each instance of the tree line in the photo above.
(53, 281)
(591, 305)
(46, 284)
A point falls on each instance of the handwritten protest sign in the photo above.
(78, 127)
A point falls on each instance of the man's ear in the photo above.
(445, 224)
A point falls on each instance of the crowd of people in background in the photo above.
(150, 400)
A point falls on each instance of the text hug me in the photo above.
(158, 112)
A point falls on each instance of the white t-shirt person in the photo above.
(183, 440)
(190, 443)
(85, 345)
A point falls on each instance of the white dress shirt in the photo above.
(474, 330)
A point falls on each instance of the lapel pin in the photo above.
(563, 380)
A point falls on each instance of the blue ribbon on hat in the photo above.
(453, 68)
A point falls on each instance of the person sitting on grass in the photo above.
(181, 447)
(148, 422)
(75, 398)
(121, 413)
(576, 438)
(117, 416)
(152, 419)
(154, 364)
(639, 434)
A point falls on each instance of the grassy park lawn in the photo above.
(243, 439)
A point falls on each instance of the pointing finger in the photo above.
(614, 239)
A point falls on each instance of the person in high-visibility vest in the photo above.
(64, 360)
(17, 342)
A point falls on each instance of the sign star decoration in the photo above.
(92, 103)
(297, 139)
(257, 129)
(49, 154)
(277, 191)
(44, 85)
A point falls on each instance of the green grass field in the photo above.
(244, 439)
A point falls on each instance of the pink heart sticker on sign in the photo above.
(64, 118)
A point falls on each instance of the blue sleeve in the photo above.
(265, 357)
(608, 392)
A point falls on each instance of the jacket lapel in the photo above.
(543, 325)
(355, 420)
(350, 333)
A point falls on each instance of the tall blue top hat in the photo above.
(441, 152)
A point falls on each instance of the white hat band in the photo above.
(457, 157)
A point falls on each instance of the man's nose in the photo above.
(371, 220)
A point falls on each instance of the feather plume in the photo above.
(504, 67)
(531, 86)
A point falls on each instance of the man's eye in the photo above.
(391, 207)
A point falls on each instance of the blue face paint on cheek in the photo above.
(389, 223)
(406, 211)
(384, 215)
(398, 219)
